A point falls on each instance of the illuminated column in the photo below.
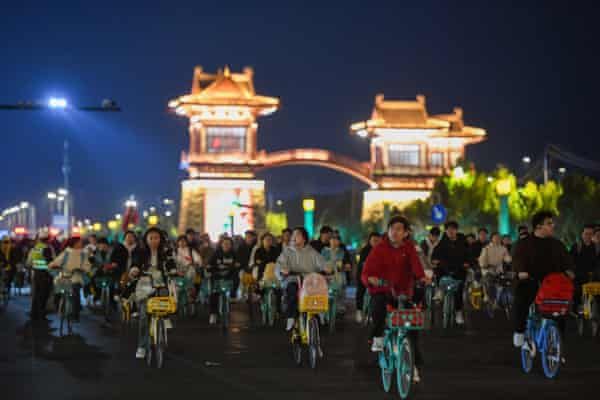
(206, 205)
(503, 187)
(309, 216)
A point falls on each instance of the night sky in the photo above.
(527, 74)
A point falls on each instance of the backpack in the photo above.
(555, 294)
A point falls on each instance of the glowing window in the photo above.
(226, 139)
(436, 159)
(401, 155)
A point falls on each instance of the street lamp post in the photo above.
(503, 188)
(309, 216)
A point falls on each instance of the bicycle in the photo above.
(500, 295)
(449, 286)
(4, 293)
(333, 292)
(475, 291)
(268, 305)
(104, 283)
(542, 334)
(223, 287)
(125, 310)
(305, 333)
(63, 287)
(182, 284)
(430, 289)
(158, 308)
(367, 309)
(591, 308)
(398, 350)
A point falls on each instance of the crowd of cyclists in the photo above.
(390, 262)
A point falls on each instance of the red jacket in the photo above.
(398, 266)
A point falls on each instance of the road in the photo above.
(98, 362)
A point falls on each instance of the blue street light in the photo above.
(56, 102)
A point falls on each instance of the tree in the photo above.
(578, 205)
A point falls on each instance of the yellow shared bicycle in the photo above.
(158, 308)
(313, 300)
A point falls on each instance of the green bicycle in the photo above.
(449, 286)
(398, 355)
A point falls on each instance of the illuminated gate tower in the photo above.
(221, 188)
(410, 149)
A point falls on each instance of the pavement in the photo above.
(97, 362)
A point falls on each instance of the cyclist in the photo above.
(244, 253)
(338, 261)
(38, 259)
(452, 258)
(535, 257)
(323, 240)
(105, 265)
(392, 266)
(299, 259)
(156, 264)
(9, 258)
(186, 258)
(73, 262)
(492, 260)
(286, 239)
(222, 266)
(266, 252)
(586, 261)
(372, 242)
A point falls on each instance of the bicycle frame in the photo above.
(539, 329)
(398, 354)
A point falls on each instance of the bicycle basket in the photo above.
(269, 273)
(591, 289)
(554, 295)
(449, 284)
(161, 305)
(221, 285)
(182, 281)
(410, 318)
(62, 285)
(103, 281)
(314, 304)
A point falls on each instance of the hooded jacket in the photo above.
(399, 266)
(302, 261)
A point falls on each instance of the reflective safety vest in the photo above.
(38, 261)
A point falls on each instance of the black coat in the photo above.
(120, 255)
(262, 257)
(227, 260)
(452, 255)
(541, 256)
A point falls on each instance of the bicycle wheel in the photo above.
(150, 345)
(527, 354)
(224, 310)
(551, 351)
(161, 343)
(296, 348)
(61, 314)
(405, 366)
(580, 325)
(595, 311)
(386, 363)
(314, 342)
(272, 307)
(448, 317)
(106, 302)
(332, 314)
(366, 309)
